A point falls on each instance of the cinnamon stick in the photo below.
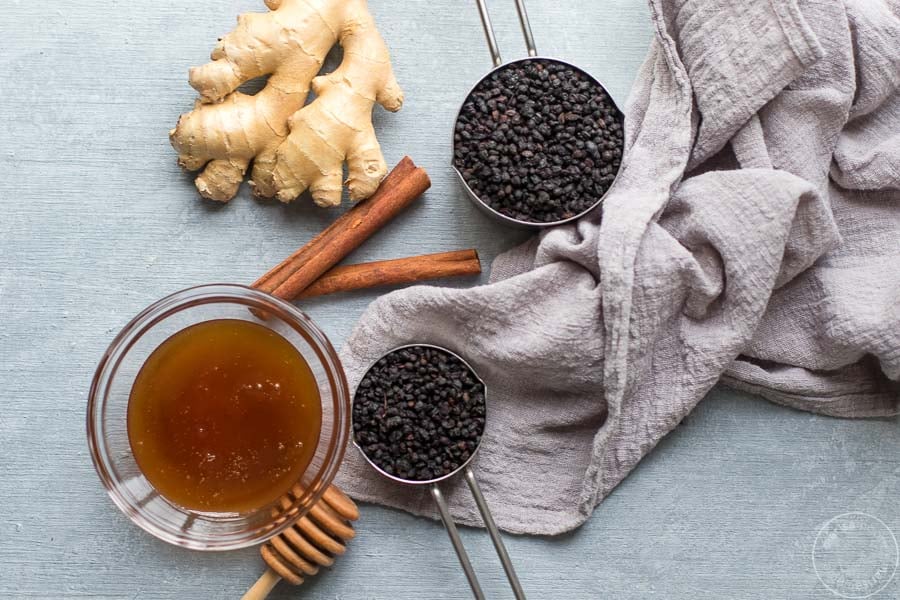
(399, 189)
(394, 272)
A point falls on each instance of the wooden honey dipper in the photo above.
(312, 542)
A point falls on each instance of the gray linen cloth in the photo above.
(753, 236)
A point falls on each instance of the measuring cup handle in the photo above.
(495, 535)
(492, 39)
(526, 27)
(489, 33)
(457, 541)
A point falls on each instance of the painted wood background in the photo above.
(96, 222)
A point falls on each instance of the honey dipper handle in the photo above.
(263, 586)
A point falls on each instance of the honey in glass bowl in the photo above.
(224, 416)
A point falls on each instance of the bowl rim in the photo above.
(144, 321)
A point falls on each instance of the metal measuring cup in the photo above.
(498, 65)
(473, 487)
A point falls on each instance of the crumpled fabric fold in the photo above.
(752, 237)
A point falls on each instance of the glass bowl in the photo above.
(107, 429)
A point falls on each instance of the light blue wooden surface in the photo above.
(96, 222)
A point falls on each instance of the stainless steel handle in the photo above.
(492, 530)
(526, 27)
(495, 535)
(457, 542)
(492, 39)
(489, 33)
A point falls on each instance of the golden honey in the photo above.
(224, 416)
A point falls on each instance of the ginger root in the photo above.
(228, 129)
